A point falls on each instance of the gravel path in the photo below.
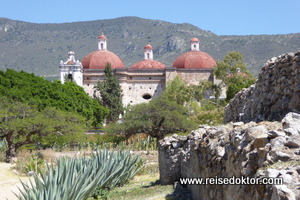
(9, 182)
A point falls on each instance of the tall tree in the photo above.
(234, 73)
(22, 124)
(110, 94)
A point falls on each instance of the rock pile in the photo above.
(257, 150)
(275, 93)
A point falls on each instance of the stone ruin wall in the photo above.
(275, 93)
(265, 149)
(261, 140)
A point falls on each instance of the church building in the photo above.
(144, 80)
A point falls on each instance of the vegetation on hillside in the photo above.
(38, 48)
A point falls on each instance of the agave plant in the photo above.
(78, 178)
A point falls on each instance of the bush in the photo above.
(209, 117)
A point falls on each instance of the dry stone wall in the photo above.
(265, 149)
(275, 93)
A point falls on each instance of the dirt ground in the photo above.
(9, 182)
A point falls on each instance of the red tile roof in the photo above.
(99, 60)
(194, 40)
(148, 46)
(148, 64)
(102, 37)
(194, 60)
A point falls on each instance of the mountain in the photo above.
(38, 48)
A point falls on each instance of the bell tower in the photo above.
(71, 70)
(194, 44)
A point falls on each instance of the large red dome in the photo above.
(99, 60)
(194, 60)
(148, 64)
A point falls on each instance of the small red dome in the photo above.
(148, 46)
(148, 64)
(194, 60)
(194, 40)
(70, 62)
(99, 60)
(102, 37)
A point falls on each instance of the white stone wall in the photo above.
(133, 92)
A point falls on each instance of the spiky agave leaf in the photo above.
(77, 178)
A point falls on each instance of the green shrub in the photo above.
(3, 148)
(35, 163)
(209, 117)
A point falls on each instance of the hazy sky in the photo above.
(223, 17)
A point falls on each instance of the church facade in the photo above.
(144, 80)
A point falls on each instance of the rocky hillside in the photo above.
(38, 48)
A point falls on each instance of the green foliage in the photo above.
(201, 90)
(237, 83)
(234, 73)
(156, 118)
(209, 117)
(79, 178)
(35, 164)
(178, 91)
(110, 94)
(22, 124)
(28, 88)
(232, 64)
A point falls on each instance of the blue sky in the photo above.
(223, 17)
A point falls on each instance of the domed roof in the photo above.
(194, 40)
(148, 46)
(194, 60)
(99, 60)
(148, 64)
(102, 37)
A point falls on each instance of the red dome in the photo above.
(148, 46)
(148, 64)
(194, 40)
(102, 37)
(194, 60)
(99, 60)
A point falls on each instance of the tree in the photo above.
(234, 73)
(22, 124)
(28, 88)
(110, 94)
(237, 83)
(178, 91)
(156, 118)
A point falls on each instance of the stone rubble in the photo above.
(264, 149)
